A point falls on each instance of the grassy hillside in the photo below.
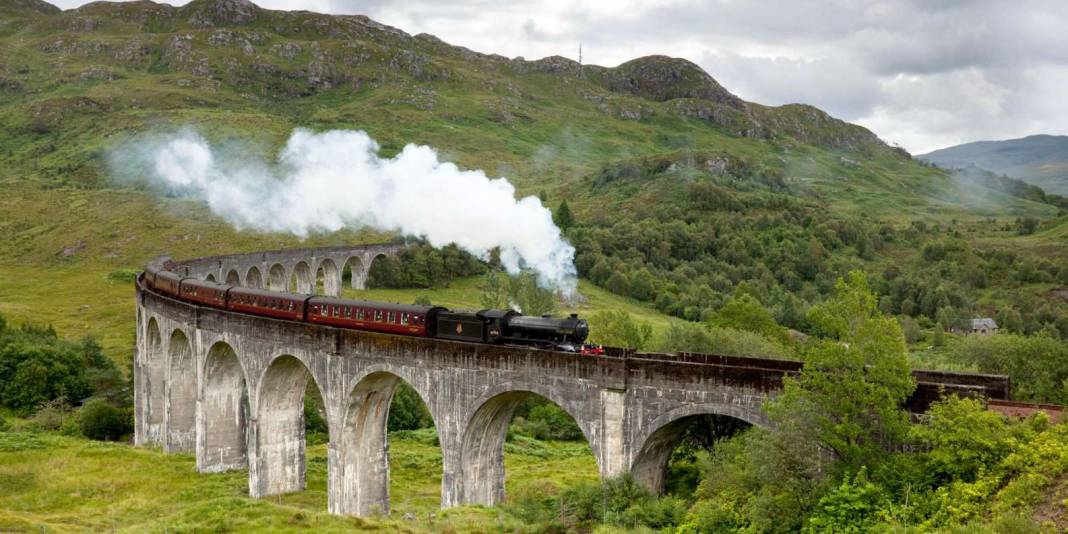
(82, 83)
(52, 483)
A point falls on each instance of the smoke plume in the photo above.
(323, 182)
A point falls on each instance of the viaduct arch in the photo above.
(292, 270)
(242, 378)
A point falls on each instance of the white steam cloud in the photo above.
(323, 182)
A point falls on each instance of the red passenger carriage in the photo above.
(269, 303)
(367, 315)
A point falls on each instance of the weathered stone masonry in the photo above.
(281, 270)
(230, 387)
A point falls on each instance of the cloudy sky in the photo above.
(920, 73)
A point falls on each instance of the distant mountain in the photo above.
(1041, 160)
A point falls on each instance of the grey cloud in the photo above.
(833, 84)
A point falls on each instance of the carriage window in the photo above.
(378, 315)
(348, 311)
(359, 314)
(404, 318)
(337, 310)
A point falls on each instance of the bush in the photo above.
(541, 419)
(3, 424)
(607, 502)
(36, 367)
(124, 275)
(99, 420)
(53, 415)
(851, 507)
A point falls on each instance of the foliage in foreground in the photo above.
(36, 367)
(1038, 365)
(843, 456)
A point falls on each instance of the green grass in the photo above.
(61, 484)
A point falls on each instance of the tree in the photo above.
(618, 329)
(684, 336)
(960, 438)
(642, 285)
(850, 393)
(744, 312)
(938, 337)
(36, 366)
(563, 217)
(407, 411)
(521, 293)
(1038, 366)
(1009, 320)
(1026, 225)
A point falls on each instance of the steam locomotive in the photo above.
(485, 326)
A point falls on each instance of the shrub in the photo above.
(3, 424)
(52, 415)
(36, 367)
(99, 420)
(851, 507)
(124, 275)
(961, 437)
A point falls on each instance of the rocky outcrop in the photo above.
(813, 126)
(27, 7)
(663, 78)
(209, 13)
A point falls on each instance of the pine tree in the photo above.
(939, 337)
(563, 217)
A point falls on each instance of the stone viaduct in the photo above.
(230, 387)
(291, 270)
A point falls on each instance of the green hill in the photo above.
(1041, 160)
(683, 190)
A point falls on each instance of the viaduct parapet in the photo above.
(291, 270)
(230, 387)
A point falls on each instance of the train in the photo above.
(500, 327)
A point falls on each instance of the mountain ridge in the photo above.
(684, 87)
(1040, 159)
